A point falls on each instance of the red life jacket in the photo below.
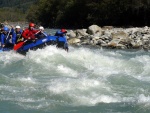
(28, 33)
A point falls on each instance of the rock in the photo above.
(109, 37)
(102, 42)
(105, 37)
(119, 35)
(113, 43)
(107, 27)
(67, 37)
(74, 40)
(94, 30)
(96, 38)
(81, 32)
(104, 45)
(71, 34)
(121, 46)
(136, 43)
(107, 32)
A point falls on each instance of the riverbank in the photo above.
(111, 37)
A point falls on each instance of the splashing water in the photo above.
(84, 80)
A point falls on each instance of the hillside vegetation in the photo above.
(77, 13)
(14, 10)
(82, 13)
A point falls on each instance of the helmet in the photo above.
(63, 30)
(5, 29)
(31, 25)
(1, 25)
(41, 28)
(18, 27)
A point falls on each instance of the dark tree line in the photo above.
(77, 13)
(82, 13)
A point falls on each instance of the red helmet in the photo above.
(31, 25)
(63, 30)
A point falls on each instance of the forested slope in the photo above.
(82, 13)
(14, 10)
(77, 13)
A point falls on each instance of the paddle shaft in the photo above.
(8, 34)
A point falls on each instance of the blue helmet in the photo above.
(6, 29)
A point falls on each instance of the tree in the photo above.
(82, 13)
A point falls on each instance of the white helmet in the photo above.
(41, 28)
(18, 27)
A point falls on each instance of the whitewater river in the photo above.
(85, 80)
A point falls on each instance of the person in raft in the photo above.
(61, 39)
(42, 33)
(16, 34)
(30, 32)
(5, 36)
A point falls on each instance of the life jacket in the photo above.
(15, 36)
(29, 33)
(62, 42)
(59, 33)
(18, 34)
(3, 38)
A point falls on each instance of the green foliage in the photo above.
(9, 14)
(14, 10)
(82, 13)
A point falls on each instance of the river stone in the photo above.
(81, 32)
(94, 30)
(71, 34)
(74, 40)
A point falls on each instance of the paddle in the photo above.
(8, 34)
(43, 33)
(19, 45)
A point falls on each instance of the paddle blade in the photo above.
(19, 45)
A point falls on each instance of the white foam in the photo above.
(143, 99)
(98, 99)
(66, 71)
(10, 57)
(27, 80)
(80, 77)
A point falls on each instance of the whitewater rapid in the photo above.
(50, 79)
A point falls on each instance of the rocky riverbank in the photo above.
(110, 37)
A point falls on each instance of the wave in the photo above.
(51, 77)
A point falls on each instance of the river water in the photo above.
(84, 80)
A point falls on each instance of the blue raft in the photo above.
(60, 42)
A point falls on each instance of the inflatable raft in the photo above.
(60, 42)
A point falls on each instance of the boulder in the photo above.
(119, 35)
(107, 27)
(81, 32)
(94, 30)
(71, 34)
(74, 41)
(114, 43)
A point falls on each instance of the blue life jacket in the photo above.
(15, 36)
(3, 38)
(4, 35)
(59, 33)
(61, 40)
